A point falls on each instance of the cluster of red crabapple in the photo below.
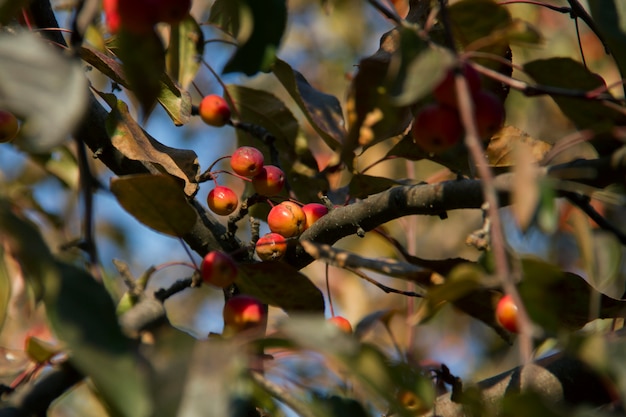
(285, 220)
(437, 126)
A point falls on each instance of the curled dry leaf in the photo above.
(500, 152)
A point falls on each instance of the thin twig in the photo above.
(583, 203)
(388, 13)
(163, 294)
(383, 287)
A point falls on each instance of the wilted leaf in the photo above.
(134, 143)
(371, 115)
(266, 22)
(175, 100)
(35, 80)
(185, 50)
(362, 185)
(569, 74)
(5, 287)
(322, 110)
(500, 151)
(157, 201)
(280, 285)
(82, 315)
(525, 193)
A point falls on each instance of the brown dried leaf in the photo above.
(132, 141)
(525, 193)
(501, 147)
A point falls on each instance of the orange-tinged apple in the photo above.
(506, 313)
(214, 110)
(271, 247)
(243, 312)
(247, 161)
(287, 219)
(218, 269)
(222, 200)
(269, 181)
(342, 323)
(313, 212)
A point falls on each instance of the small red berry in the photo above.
(506, 313)
(445, 92)
(489, 112)
(313, 212)
(271, 247)
(247, 161)
(214, 110)
(437, 128)
(287, 219)
(222, 200)
(9, 127)
(243, 312)
(219, 269)
(342, 323)
(269, 181)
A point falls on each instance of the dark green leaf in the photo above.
(407, 149)
(175, 100)
(225, 14)
(143, 56)
(474, 20)
(323, 111)
(157, 201)
(609, 17)
(10, 8)
(82, 315)
(258, 51)
(362, 185)
(281, 285)
(415, 68)
(568, 74)
(184, 54)
(35, 79)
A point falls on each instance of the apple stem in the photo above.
(330, 298)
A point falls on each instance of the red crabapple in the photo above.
(342, 323)
(9, 127)
(247, 161)
(243, 312)
(218, 269)
(269, 181)
(489, 112)
(437, 128)
(271, 247)
(222, 200)
(313, 212)
(214, 110)
(287, 219)
(445, 92)
(506, 313)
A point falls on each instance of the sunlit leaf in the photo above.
(280, 285)
(322, 110)
(35, 79)
(501, 147)
(569, 74)
(258, 51)
(136, 144)
(175, 100)
(157, 201)
(185, 50)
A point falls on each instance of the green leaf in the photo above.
(568, 74)
(281, 285)
(10, 8)
(322, 110)
(175, 100)
(225, 14)
(609, 17)
(157, 201)
(362, 185)
(474, 20)
(143, 59)
(267, 21)
(82, 315)
(184, 55)
(35, 80)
